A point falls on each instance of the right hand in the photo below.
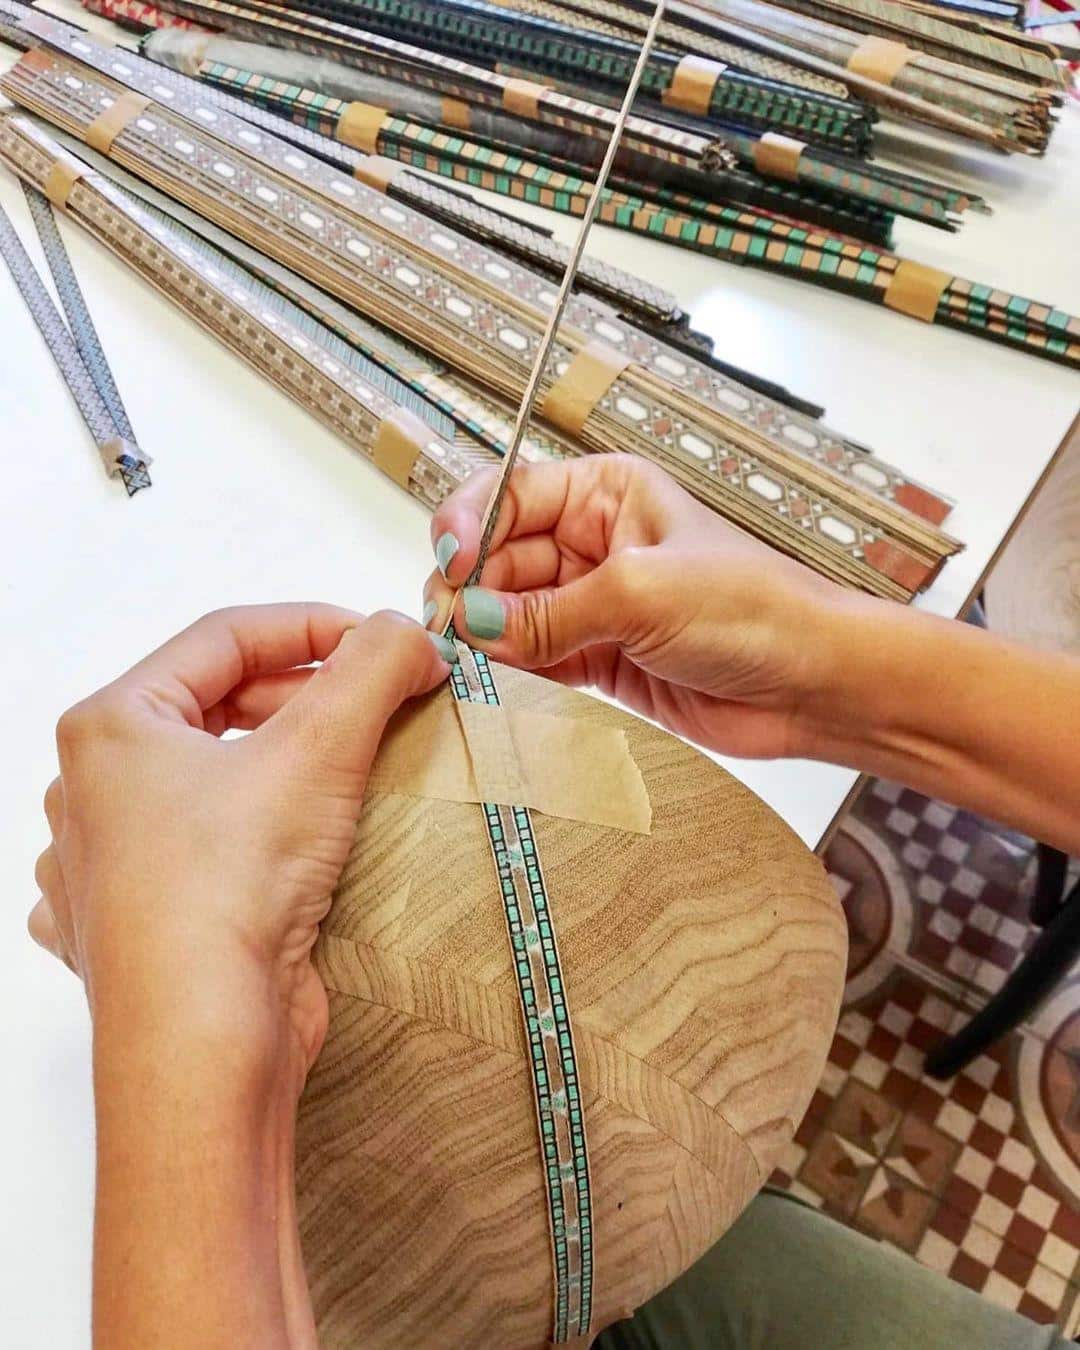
(604, 572)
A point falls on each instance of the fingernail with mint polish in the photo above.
(430, 610)
(484, 616)
(445, 648)
(445, 547)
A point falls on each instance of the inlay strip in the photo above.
(546, 1022)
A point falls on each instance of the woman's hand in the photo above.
(187, 875)
(603, 571)
(185, 882)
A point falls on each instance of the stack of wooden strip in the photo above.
(319, 93)
(484, 315)
(995, 78)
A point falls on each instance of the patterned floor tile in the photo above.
(977, 1177)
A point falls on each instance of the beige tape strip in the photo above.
(378, 172)
(692, 85)
(778, 156)
(523, 97)
(359, 126)
(916, 290)
(63, 176)
(398, 442)
(879, 59)
(582, 385)
(101, 133)
(454, 113)
(472, 752)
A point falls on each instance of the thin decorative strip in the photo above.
(118, 451)
(78, 315)
(841, 529)
(546, 1021)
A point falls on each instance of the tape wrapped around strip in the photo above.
(454, 113)
(398, 443)
(62, 177)
(778, 156)
(378, 172)
(879, 59)
(359, 126)
(692, 85)
(916, 290)
(522, 97)
(101, 133)
(581, 386)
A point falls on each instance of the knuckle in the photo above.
(625, 573)
(535, 611)
(45, 870)
(53, 801)
(101, 716)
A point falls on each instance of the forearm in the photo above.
(195, 1233)
(954, 712)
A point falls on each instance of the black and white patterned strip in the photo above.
(118, 453)
(78, 316)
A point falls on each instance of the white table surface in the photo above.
(253, 500)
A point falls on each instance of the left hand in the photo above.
(187, 875)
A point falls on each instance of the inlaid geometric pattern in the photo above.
(977, 1177)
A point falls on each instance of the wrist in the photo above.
(868, 656)
(217, 1017)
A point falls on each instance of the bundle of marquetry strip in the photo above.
(987, 82)
(610, 387)
(779, 242)
(319, 93)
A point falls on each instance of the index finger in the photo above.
(200, 666)
(535, 499)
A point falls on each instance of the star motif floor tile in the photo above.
(977, 1177)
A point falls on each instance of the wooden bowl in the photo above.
(704, 964)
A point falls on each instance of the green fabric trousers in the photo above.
(785, 1277)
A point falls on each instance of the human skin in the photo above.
(188, 874)
(185, 883)
(604, 572)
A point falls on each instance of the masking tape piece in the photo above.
(472, 752)
(692, 85)
(378, 172)
(398, 443)
(101, 133)
(63, 175)
(522, 97)
(359, 126)
(454, 113)
(879, 59)
(112, 451)
(916, 290)
(582, 385)
(778, 156)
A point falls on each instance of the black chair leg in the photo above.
(1053, 867)
(1054, 951)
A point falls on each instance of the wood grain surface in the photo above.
(704, 964)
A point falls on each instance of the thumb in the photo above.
(336, 721)
(536, 629)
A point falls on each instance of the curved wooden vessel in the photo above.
(704, 964)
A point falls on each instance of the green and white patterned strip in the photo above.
(548, 1034)
(118, 451)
